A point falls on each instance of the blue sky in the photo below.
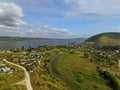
(58, 18)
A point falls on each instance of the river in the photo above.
(53, 67)
(34, 43)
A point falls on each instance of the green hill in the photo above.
(107, 39)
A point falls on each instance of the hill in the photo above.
(106, 39)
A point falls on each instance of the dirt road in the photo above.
(27, 76)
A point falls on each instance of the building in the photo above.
(5, 69)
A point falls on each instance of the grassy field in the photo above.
(81, 73)
(109, 41)
(76, 70)
(105, 39)
(42, 78)
(12, 87)
(8, 80)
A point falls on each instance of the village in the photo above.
(28, 58)
(4, 68)
(107, 56)
(32, 58)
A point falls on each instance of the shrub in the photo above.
(115, 81)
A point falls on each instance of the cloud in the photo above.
(71, 8)
(96, 7)
(49, 32)
(116, 28)
(3, 27)
(10, 15)
(54, 30)
(11, 23)
(41, 32)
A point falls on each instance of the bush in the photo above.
(115, 81)
(86, 55)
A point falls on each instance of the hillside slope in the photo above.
(110, 39)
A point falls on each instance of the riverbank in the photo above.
(42, 78)
(66, 67)
(79, 73)
(5, 45)
(58, 74)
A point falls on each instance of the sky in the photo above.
(58, 18)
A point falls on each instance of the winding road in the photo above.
(27, 76)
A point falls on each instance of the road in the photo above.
(27, 76)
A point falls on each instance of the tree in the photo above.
(22, 48)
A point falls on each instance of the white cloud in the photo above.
(42, 32)
(11, 23)
(55, 30)
(116, 28)
(10, 15)
(49, 32)
(98, 7)
(71, 8)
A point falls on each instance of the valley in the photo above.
(74, 66)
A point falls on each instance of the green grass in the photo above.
(81, 73)
(105, 39)
(108, 41)
(42, 78)
(8, 80)
(3, 54)
(13, 87)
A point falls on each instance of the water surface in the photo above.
(35, 43)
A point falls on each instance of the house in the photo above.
(2, 64)
(8, 51)
(33, 53)
(23, 62)
(117, 51)
(5, 69)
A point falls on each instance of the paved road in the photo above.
(27, 76)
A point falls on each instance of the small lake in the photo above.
(34, 43)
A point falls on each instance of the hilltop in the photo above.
(107, 39)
